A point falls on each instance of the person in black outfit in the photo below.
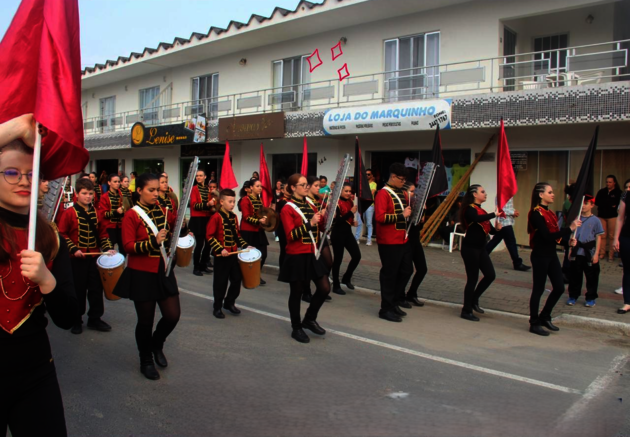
(33, 283)
(544, 235)
(419, 260)
(476, 223)
(282, 238)
(342, 238)
(607, 202)
(621, 243)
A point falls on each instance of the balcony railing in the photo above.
(580, 65)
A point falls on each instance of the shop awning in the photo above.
(108, 141)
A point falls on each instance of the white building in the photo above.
(552, 69)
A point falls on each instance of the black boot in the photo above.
(147, 368)
(158, 355)
(550, 326)
(469, 316)
(477, 309)
(538, 330)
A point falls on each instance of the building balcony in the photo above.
(566, 67)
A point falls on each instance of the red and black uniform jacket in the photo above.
(165, 202)
(108, 210)
(126, 194)
(222, 233)
(314, 202)
(544, 234)
(82, 231)
(199, 198)
(98, 192)
(391, 225)
(22, 305)
(248, 206)
(344, 214)
(140, 242)
(478, 226)
(297, 232)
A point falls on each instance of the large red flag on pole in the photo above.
(506, 181)
(304, 169)
(265, 179)
(228, 180)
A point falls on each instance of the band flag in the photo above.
(228, 180)
(584, 182)
(304, 169)
(361, 184)
(506, 180)
(440, 180)
(265, 179)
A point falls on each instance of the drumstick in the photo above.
(165, 222)
(238, 251)
(96, 253)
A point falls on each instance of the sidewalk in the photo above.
(510, 292)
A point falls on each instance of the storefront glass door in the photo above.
(155, 166)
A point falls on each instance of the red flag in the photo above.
(506, 181)
(304, 169)
(265, 180)
(42, 75)
(227, 174)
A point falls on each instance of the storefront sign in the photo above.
(190, 131)
(206, 149)
(519, 161)
(393, 117)
(252, 127)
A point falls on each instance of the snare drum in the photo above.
(250, 267)
(110, 267)
(185, 248)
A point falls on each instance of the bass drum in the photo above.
(250, 267)
(110, 268)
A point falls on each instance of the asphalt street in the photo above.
(432, 375)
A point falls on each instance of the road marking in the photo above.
(413, 352)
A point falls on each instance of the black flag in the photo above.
(361, 184)
(584, 183)
(440, 180)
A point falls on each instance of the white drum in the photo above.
(250, 267)
(110, 268)
(185, 248)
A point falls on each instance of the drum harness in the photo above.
(145, 218)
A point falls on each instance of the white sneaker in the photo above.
(358, 242)
(369, 243)
(277, 239)
(619, 290)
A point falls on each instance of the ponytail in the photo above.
(468, 200)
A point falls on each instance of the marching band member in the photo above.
(224, 238)
(111, 212)
(476, 222)
(146, 233)
(43, 190)
(85, 234)
(33, 283)
(544, 235)
(392, 210)
(418, 258)
(250, 224)
(317, 205)
(125, 190)
(166, 198)
(201, 208)
(98, 192)
(342, 238)
(282, 237)
(300, 265)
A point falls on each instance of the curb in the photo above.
(568, 320)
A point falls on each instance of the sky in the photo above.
(112, 28)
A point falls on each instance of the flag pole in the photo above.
(32, 222)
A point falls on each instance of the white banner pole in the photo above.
(32, 223)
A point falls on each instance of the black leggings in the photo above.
(170, 310)
(326, 257)
(476, 259)
(295, 298)
(543, 266)
(420, 263)
(342, 238)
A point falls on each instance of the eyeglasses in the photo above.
(302, 185)
(13, 176)
(401, 178)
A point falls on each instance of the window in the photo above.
(288, 76)
(154, 166)
(205, 89)
(407, 54)
(107, 123)
(287, 164)
(149, 104)
(557, 59)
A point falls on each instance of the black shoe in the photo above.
(218, 314)
(328, 297)
(469, 316)
(160, 358)
(550, 326)
(300, 335)
(522, 268)
(197, 273)
(262, 281)
(207, 270)
(77, 328)
(314, 327)
(390, 316)
(337, 290)
(477, 309)
(306, 297)
(348, 284)
(232, 308)
(414, 301)
(404, 304)
(147, 368)
(98, 325)
(537, 329)
(619, 311)
(399, 312)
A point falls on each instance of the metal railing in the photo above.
(587, 64)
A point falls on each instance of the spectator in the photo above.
(103, 181)
(621, 243)
(368, 215)
(255, 176)
(624, 198)
(607, 202)
(323, 184)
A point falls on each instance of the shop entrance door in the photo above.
(109, 165)
(212, 167)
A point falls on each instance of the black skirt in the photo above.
(141, 286)
(198, 226)
(301, 267)
(255, 238)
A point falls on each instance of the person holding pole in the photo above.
(342, 239)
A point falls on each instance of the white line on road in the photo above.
(413, 352)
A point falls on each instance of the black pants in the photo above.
(318, 299)
(624, 254)
(420, 263)
(543, 267)
(397, 268)
(87, 283)
(475, 260)
(226, 269)
(145, 310)
(115, 236)
(580, 267)
(201, 255)
(341, 239)
(31, 403)
(506, 234)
